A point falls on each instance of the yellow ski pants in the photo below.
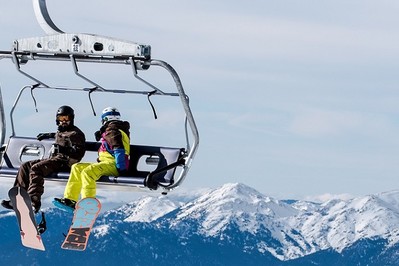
(83, 177)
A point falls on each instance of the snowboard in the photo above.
(85, 214)
(22, 205)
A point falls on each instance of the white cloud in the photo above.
(319, 123)
(328, 196)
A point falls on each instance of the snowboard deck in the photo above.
(21, 202)
(85, 214)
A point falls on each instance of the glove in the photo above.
(97, 135)
(120, 160)
(42, 136)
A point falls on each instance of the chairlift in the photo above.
(80, 48)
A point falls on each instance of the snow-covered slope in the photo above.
(288, 230)
(233, 203)
(338, 224)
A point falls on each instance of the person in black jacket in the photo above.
(112, 160)
(68, 148)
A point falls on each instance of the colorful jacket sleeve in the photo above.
(116, 143)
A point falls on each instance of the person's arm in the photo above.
(114, 137)
(78, 142)
(42, 136)
(120, 160)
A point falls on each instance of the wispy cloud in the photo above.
(323, 123)
(328, 196)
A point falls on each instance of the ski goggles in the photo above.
(63, 118)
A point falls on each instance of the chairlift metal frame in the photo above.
(77, 48)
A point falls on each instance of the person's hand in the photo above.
(97, 135)
(42, 136)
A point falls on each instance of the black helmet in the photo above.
(65, 110)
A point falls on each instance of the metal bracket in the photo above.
(82, 45)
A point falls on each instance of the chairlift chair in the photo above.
(77, 48)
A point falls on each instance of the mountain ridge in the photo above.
(229, 225)
(301, 228)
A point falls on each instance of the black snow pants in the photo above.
(31, 176)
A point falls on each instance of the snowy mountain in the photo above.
(339, 224)
(231, 225)
(287, 231)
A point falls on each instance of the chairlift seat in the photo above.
(21, 149)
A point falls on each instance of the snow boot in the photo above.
(65, 204)
(7, 204)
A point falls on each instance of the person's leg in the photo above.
(38, 171)
(22, 178)
(92, 173)
(74, 185)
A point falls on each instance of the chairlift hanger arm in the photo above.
(43, 17)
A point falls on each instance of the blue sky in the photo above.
(294, 98)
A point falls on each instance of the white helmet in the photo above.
(110, 114)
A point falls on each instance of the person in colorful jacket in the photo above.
(113, 160)
(68, 148)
